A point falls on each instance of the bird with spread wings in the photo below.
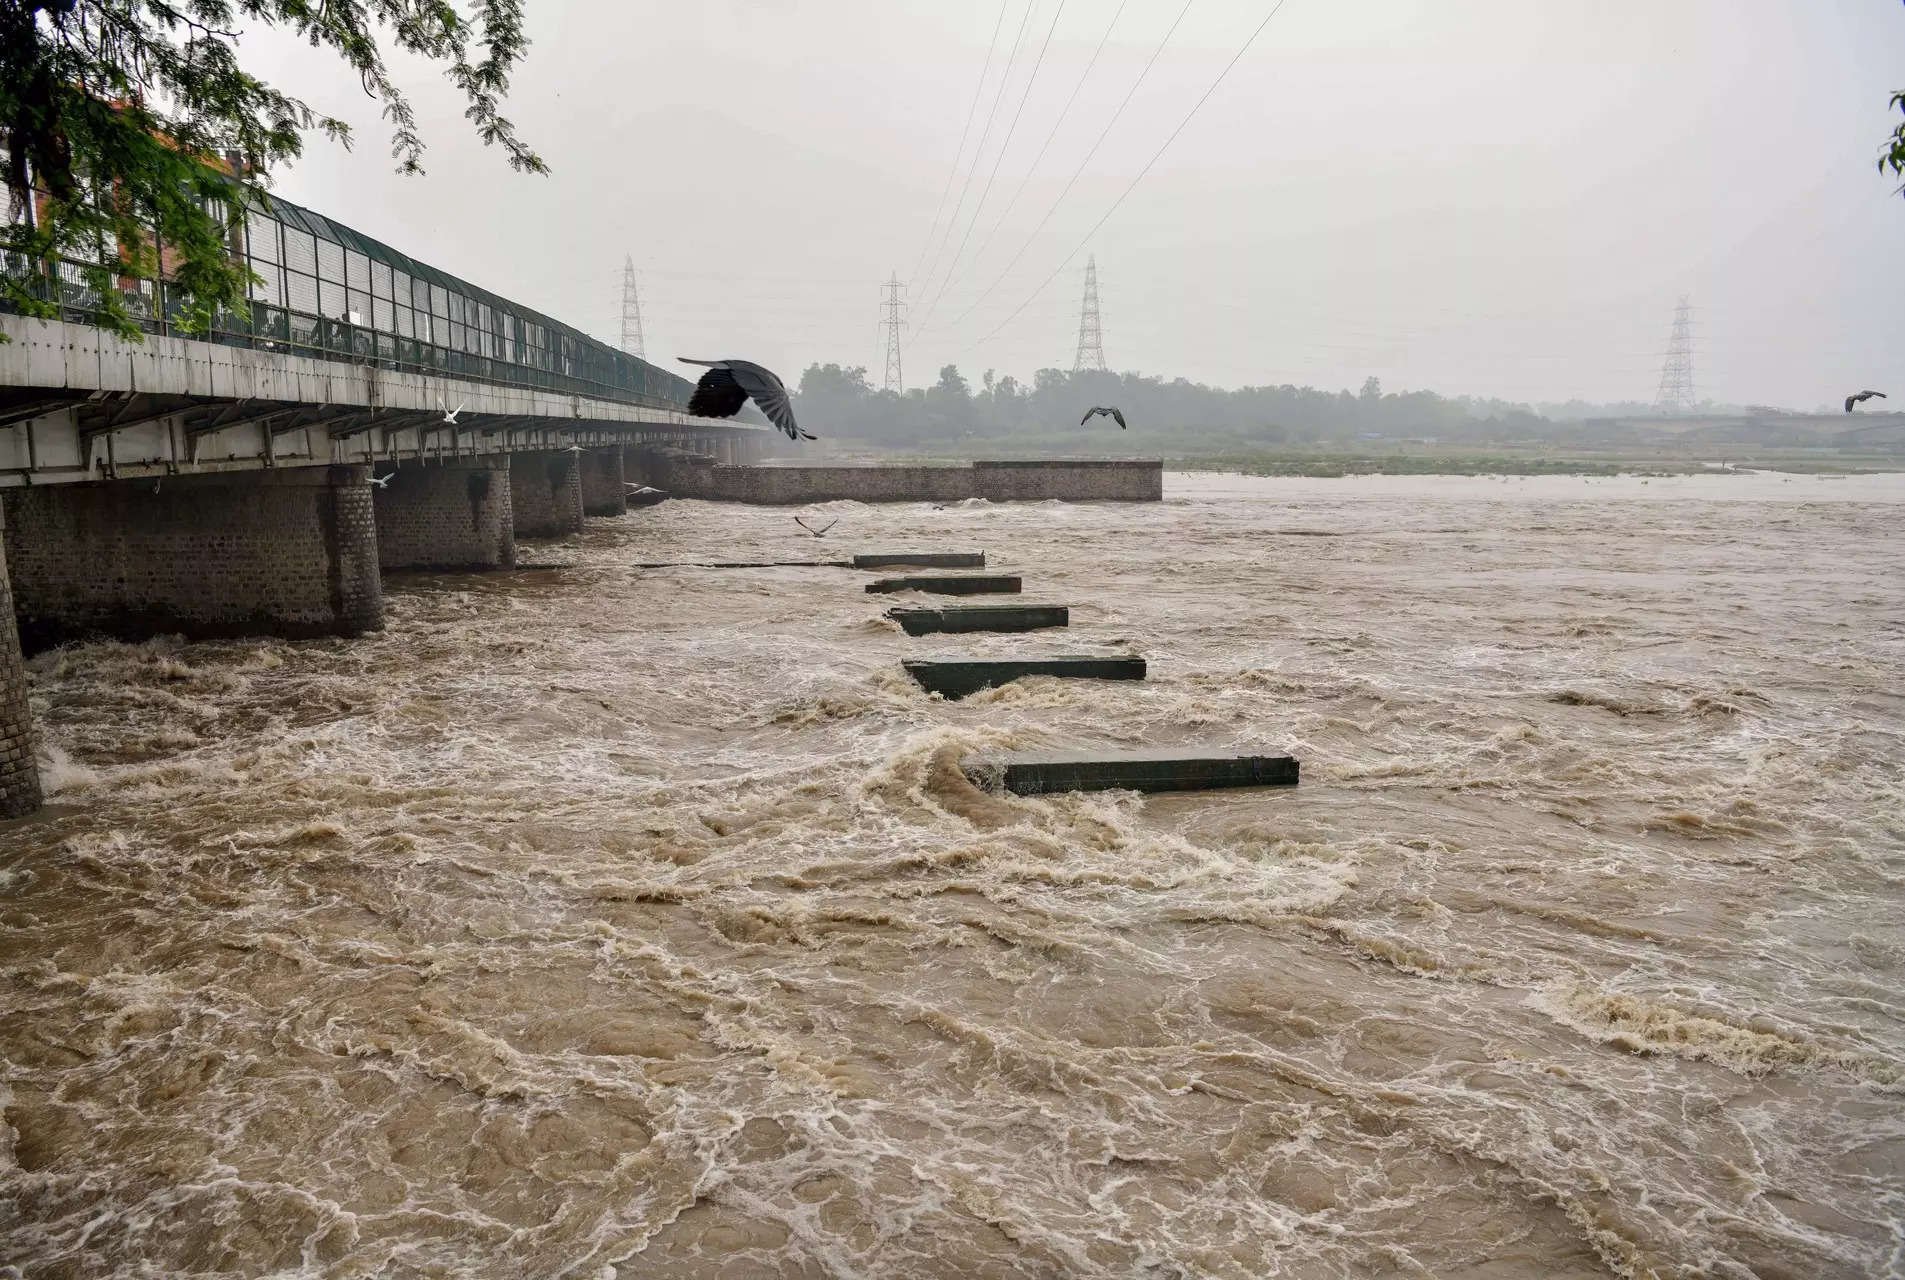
(728, 384)
(1861, 398)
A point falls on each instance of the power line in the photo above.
(1076, 173)
(953, 270)
(1195, 107)
(992, 112)
(972, 110)
(1063, 111)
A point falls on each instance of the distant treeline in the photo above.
(1000, 411)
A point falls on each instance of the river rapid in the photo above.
(604, 922)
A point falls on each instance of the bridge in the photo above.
(260, 476)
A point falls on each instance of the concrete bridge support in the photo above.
(290, 552)
(19, 777)
(602, 473)
(450, 515)
(745, 451)
(545, 493)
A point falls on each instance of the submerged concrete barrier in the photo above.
(1032, 773)
(921, 560)
(921, 620)
(963, 584)
(957, 677)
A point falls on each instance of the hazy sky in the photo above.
(1498, 197)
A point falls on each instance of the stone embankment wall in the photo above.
(697, 476)
(288, 553)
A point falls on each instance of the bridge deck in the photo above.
(77, 403)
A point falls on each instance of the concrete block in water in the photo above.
(1033, 773)
(950, 584)
(927, 620)
(957, 677)
(921, 560)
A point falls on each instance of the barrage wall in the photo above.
(695, 476)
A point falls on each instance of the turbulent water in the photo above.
(606, 922)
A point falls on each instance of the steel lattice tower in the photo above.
(632, 341)
(1091, 334)
(892, 319)
(1676, 372)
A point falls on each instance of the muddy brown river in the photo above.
(612, 923)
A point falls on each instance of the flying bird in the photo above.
(450, 417)
(730, 383)
(816, 532)
(383, 481)
(1095, 410)
(1862, 396)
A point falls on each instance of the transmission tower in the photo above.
(1676, 372)
(632, 341)
(892, 308)
(1091, 335)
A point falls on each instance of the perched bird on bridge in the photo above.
(1095, 410)
(1862, 396)
(821, 530)
(730, 383)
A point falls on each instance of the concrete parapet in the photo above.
(450, 515)
(545, 493)
(290, 552)
(19, 777)
(603, 493)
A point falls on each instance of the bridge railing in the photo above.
(324, 290)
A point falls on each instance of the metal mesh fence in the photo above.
(326, 290)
